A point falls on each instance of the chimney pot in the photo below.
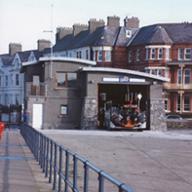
(14, 48)
(43, 44)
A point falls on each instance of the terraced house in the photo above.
(105, 44)
(166, 50)
(11, 80)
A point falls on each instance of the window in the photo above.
(138, 55)
(160, 53)
(108, 56)
(129, 56)
(66, 79)
(94, 56)
(188, 54)
(187, 76)
(179, 76)
(87, 54)
(186, 103)
(153, 53)
(178, 103)
(6, 80)
(180, 54)
(79, 54)
(17, 79)
(166, 104)
(147, 54)
(99, 56)
(63, 109)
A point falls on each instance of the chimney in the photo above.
(131, 23)
(113, 21)
(94, 24)
(43, 44)
(62, 32)
(77, 28)
(14, 48)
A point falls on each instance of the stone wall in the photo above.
(89, 114)
(179, 124)
(157, 113)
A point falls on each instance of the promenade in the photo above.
(19, 171)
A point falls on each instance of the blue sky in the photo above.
(24, 21)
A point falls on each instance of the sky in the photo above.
(25, 21)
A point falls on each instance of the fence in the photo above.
(67, 171)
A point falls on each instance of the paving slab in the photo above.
(19, 170)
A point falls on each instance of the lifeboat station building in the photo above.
(68, 93)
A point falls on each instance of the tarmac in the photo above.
(19, 170)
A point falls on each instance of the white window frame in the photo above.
(138, 55)
(181, 54)
(99, 55)
(160, 53)
(108, 56)
(129, 56)
(153, 53)
(187, 75)
(188, 54)
(189, 104)
(179, 76)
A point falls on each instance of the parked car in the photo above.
(173, 117)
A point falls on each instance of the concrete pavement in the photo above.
(19, 171)
(147, 161)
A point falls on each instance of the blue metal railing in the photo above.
(68, 171)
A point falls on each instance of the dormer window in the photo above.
(128, 33)
(138, 55)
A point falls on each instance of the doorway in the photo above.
(37, 117)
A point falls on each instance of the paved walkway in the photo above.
(16, 164)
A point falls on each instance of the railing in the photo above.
(68, 171)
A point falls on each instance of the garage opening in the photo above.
(123, 106)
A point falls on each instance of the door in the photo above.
(37, 120)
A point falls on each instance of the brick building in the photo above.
(166, 49)
(105, 44)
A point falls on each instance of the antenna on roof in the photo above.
(51, 46)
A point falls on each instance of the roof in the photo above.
(64, 59)
(164, 34)
(126, 72)
(102, 36)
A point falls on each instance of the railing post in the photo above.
(41, 151)
(75, 172)
(44, 153)
(60, 167)
(51, 163)
(47, 158)
(86, 176)
(66, 170)
(55, 167)
(101, 182)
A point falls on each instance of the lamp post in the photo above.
(139, 96)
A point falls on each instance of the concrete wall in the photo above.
(157, 113)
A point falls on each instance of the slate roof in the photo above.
(102, 36)
(164, 34)
(23, 55)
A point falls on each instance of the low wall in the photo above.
(179, 124)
